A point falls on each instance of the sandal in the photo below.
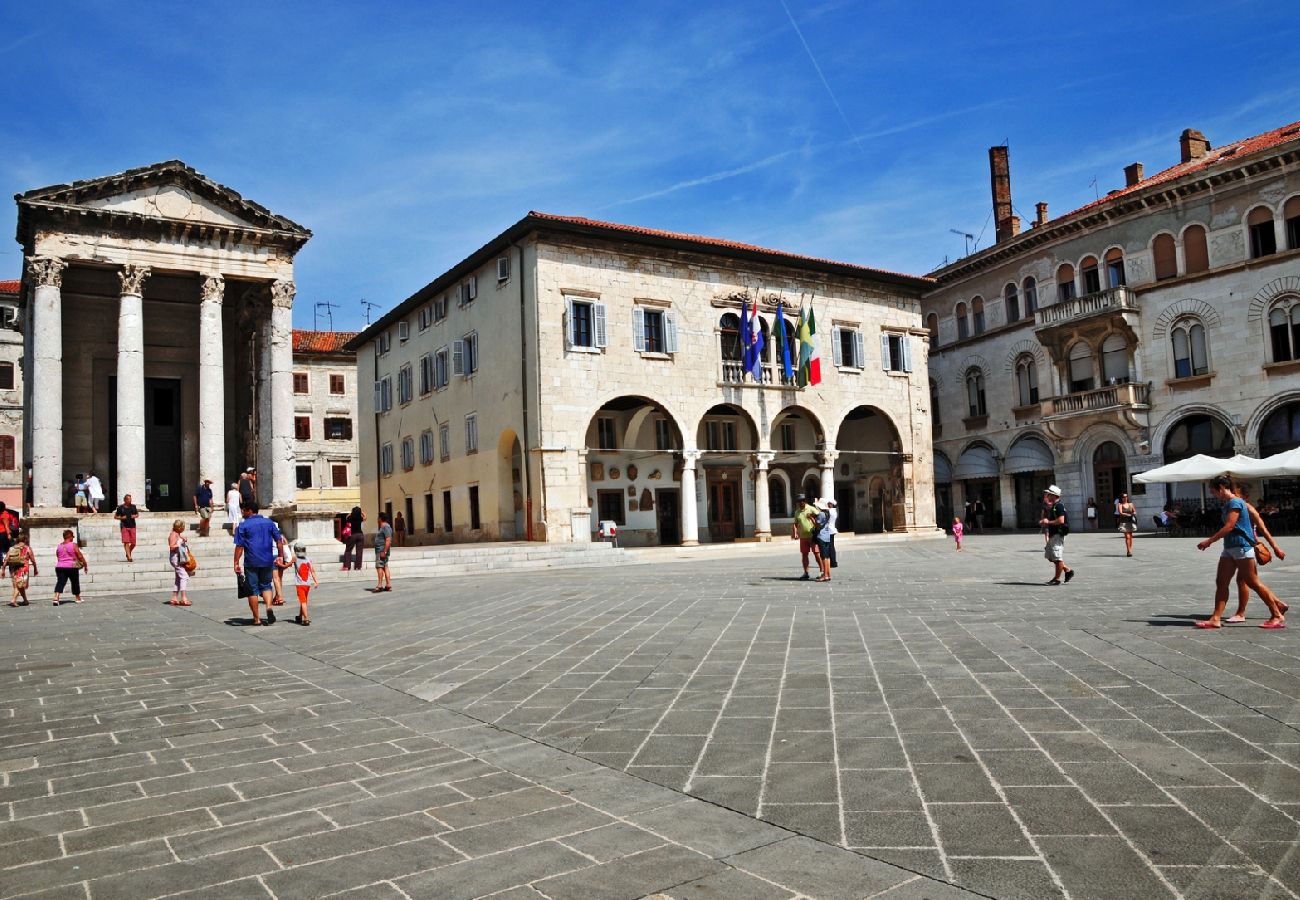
(56, 602)
(185, 603)
(1208, 624)
(1273, 625)
(173, 603)
(1233, 620)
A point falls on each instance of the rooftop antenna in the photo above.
(1096, 193)
(967, 235)
(329, 314)
(368, 307)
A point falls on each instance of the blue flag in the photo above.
(746, 339)
(783, 343)
(754, 349)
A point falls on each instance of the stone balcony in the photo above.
(1101, 303)
(733, 372)
(1128, 395)
(1089, 318)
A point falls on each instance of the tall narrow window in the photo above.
(446, 511)
(471, 433)
(1188, 337)
(1065, 283)
(963, 324)
(654, 331)
(1114, 359)
(934, 403)
(1164, 257)
(932, 325)
(729, 334)
(1026, 380)
(475, 523)
(606, 437)
(1031, 296)
(977, 314)
(1291, 216)
(975, 393)
(1082, 376)
(6, 376)
(1115, 268)
(1284, 329)
(1196, 252)
(8, 452)
(1011, 302)
(664, 435)
(776, 505)
(1263, 240)
(428, 513)
(1091, 275)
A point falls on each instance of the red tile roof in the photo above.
(320, 341)
(1228, 152)
(10, 287)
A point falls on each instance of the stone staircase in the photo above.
(110, 574)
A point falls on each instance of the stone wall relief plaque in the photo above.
(631, 506)
(655, 475)
(613, 473)
(631, 472)
(631, 490)
(647, 499)
(597, 471)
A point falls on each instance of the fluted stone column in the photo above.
(130, 387)
(279, 431)
(690, 513)
(762, 509)
(46, 374)
(212, 385)
(827, 463)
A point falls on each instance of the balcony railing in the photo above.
(1117, 299)
(1131, 393)
(733, 372)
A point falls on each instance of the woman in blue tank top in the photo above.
(1237, 558)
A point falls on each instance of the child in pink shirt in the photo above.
(957, 531)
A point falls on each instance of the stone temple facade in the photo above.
(1161, 321)
(12, 471)
(571, 371)
(158, 326)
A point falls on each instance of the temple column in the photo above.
(279, 430)
(690, 514)
(762, 509)
(212, 386)
(45, 376)
(130, 475)
(827, 463)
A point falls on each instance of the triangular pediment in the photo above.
(168, 192)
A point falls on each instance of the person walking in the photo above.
(304, 578)
(125, 515)
(247, 487)
(69, 562)
(833, 510)
(957, 530)
(8, 529)
(979, 515)
(1092, 514)
(354, 541)
(1057, 521)
(233, 518)
(383, 546)
(805, 529)
(21, 563)
(823, 542)
(1127, 522)
(258, 542)
(178, 554)
(79, 493)
(203, 506)
(94, 493)
(399, 528)
(1261, 530)
(1238, 557)
(282, 562)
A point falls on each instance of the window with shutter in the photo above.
(905, 344)
(638, 328)
(379, 397)
(301, 384)
(8, 452)
(458, 357)
(444, 442)
(886, 360)
(598, 321)
(837, 348)
(503, 268)
(859, 350)
(471, 433)
(471, 353)
(670, 333)
(440, 369)
(471, 287)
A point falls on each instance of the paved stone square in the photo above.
(926, 723)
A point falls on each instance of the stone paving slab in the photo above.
(701, 727)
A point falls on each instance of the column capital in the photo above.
(828, 457)
(763, 458)
(282, 293)
(132, 278)
(214, 288)
(47, 270)
(690, 458)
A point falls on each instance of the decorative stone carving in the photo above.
(631, 490)
(597, 471)
(214, 288)
(655, 475)
(613, 473)
(631, 506)
(647, 500)
(282, 293)
(631, 472)
(47, 270)
(132, 278)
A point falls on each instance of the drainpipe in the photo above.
(379, 473)
(525, 459)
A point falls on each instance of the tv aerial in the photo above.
(329, 314)
(368, 306)
(967, 235)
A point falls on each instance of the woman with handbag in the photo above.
(178, 554)
(68, 563)
(1127, 522)
(1238, 557)
(22, 567)
(1262, 557)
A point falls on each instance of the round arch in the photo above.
(780, 502)
(511, 503)
(808, 438)
(1160, 433)
(869, 445)
(1263, 412)
(624, 403)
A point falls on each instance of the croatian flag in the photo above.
(753, 361)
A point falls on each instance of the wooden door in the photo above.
(723, 510)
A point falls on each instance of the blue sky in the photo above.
(407, 134)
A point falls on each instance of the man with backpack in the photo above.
(1056, 520)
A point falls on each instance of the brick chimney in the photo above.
(1000, 178)
(1194, 144)
(1041, 209)
(1132, 174)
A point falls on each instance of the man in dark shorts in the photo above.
(258, 544)
(203, 506)
(125, 515)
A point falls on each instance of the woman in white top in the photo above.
(232, 507)
(94, 492)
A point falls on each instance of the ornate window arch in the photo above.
(975, 392)
(963, 323)
(1284, 328)
(1011, 302)
(1026, 380)
(1029, 287)
(1065, 289)
(1291, 222)
(1187, 340)
(1164, 256)
(1090, 273)
(1259, 228)
(729, 331)
(1081, 370)
(1196, 250)
(977, 314)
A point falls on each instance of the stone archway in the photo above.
(511, 505)
(728, 439)
(868, 447)
(633, 473)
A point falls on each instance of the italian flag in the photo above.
(810, 364)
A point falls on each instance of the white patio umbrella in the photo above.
(1194, 468)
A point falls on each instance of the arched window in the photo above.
(1196, 252)
(6, 376)
(975, 393)
(1065, 282)
(1026, 380)
(1198, 434)
(1188, 336)
(1280, 431)
(766, 353)
(977, 314)
(776, 505)
(1011, 301)
(1263, 240)
(1031, 296)
(932, 324)
(730, 328)
(1082, 377)
(1091, 275)
(963, 324)
(1164, 256)
(934, 403)
(1291, 215)
(1115, 268)
(1114, 359)
(1284, 329)
(812, 487)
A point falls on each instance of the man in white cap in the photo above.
(1056, 520)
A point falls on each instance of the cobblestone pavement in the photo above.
(703, 728)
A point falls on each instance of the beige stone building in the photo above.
(1161, 321)
(11, 396)
(573, 371)
(324, 421)
(157, 323)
